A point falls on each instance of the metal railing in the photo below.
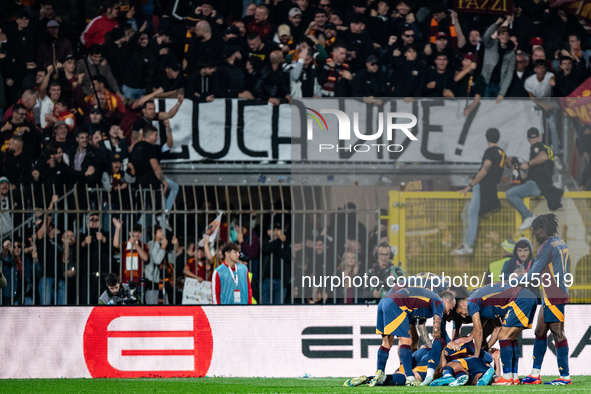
(330, 230)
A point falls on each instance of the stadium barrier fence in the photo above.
(323, 222)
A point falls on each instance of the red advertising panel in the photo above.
(123, 342)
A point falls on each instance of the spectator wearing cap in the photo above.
(499, 61)
(304, 73)
(52, 48)
(440, 79)
(259, 48)
(410, 74)
(522, 72)
(295, 21)
(272, 85)
(539, 179)
(98, 27)
(441, 46)
(205, 48)
(231, 76)
(440, 21)
(540, 87)
(260, 24)
(96, 65)
(470, 83)
(335, 77)
(94, 123)
(17, 163)
(284, 39)
(370, 83)
(536, 42)
(359, 43)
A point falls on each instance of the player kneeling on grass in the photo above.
(420, 362)
(470, 370)
(518, 307)
(395, 314)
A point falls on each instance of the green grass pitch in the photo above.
(581, 384)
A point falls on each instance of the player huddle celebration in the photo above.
(497, 312)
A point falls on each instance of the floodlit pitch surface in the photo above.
(581, 384)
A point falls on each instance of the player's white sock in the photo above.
(410, 379)
(567, 377)
(508, 375)
(535, 372)
(430, 372)
(515, 375)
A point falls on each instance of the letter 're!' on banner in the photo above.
(495, 7)
(578, 103)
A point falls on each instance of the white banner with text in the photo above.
(241, 130)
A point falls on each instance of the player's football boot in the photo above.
(356, 381)
(486, 378)
(560, 382)
(531, 380)
(503, 382)
(427, 381)
(462, 380)
(443, 381)
(412, 382)
(516, 381)
(378, 378)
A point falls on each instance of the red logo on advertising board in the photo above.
(149, 341)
